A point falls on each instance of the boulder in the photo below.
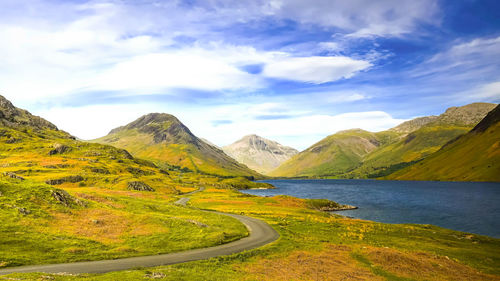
(139, 186)
(71, 179)
(12, 175)
(59, 149)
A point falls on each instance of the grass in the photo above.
(101, 219)
(108, 224)
(98, 217)
(318, 245)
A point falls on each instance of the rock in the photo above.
(126, 154)
(71, 179)
(139, 172)
(340, 208)
(62, 197)
(12, 175)
(197, 223)
(12, 140)
(155, 275)
(99, 171)
(139, 186)
(59, 149)
(24, 211)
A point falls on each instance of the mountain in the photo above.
(20, 119)
(333, 155)
(162, 137)
(422, 141)
(474, 156)
(389, 151)
(67, 200)
(258, 153)
(413, 125)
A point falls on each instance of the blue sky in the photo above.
(293, 71)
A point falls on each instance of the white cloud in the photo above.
(300, 131)
(315, 70)
(489, 92)
(189, 69)
(360, 18)
(475, 59)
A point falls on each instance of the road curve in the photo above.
(260, 234)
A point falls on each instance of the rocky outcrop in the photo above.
(13, 176)
(59, 149)
(65, 199)
(70, 179)
(467, 115)
(11, 116)
(139, 186)
(413, 125)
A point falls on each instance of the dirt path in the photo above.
(260, 234)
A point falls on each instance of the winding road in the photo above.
(260, 234)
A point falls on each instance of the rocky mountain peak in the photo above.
(414, 124)
(258, 153)
(468, 115)
(164, 128)
(491, 118)
(11, 116)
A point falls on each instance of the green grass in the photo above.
(473, 157)
(107, 226)
(334, 155)
(306, 233)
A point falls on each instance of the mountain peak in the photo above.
(491, 118)
(468, 115)
(414, 124)
(11, 116)
(164, 128)
(258, 153)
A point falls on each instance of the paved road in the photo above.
(260, 234)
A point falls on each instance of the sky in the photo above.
(293, 71)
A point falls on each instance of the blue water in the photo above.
(466, 206)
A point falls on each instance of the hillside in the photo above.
(422, 141)
(362, 154)
(471, 157)
(335, 154)
(258, 153)
(164, 139)
(69, 200)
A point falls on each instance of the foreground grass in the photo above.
(319, 246)
(100, 224)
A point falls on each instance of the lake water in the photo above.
(466, 206)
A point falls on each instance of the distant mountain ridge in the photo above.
(350, 156)
(474, 156)
(162, 137)
(258, 153)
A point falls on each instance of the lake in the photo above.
(466, 206)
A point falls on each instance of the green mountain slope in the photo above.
(163, 138)
(471, 157)
(333, 155)
(361, 154)
(418, 142)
